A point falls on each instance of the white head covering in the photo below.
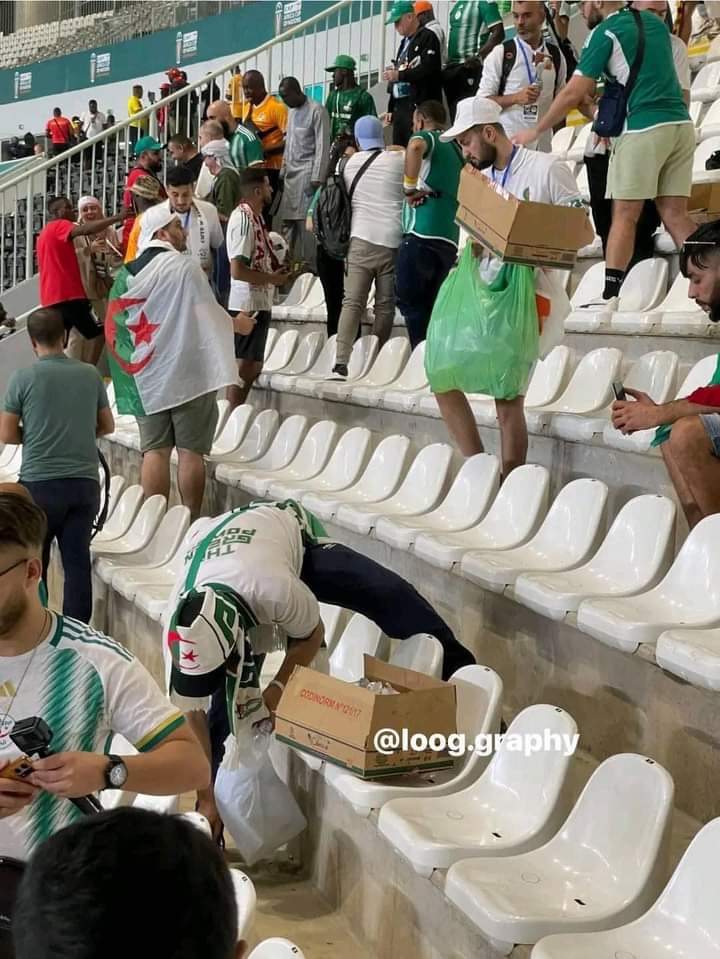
(88, 199)
(220, 149)
(153, 220)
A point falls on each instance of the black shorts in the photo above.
(78, 313)
(252, 345)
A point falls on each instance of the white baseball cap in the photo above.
(153, 220)
(472, 112)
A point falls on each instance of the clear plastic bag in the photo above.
(257, 807)
(483, 337)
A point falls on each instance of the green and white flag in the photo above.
(168, 339)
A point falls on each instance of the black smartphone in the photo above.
(619, 391)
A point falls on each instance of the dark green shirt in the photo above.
(57, 400)
(347, 106)
(226, 191)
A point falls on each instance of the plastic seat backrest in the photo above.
(285, 443)
(476, 483)
(548, 377)
(170, 533)
(694, 577)
(521, 501)
(691, 893)
(235, 428)
(325, 360)
(389, 362)
(147, 519)
(360, 636)
(348, 457)
(363, 353)
(644, 285)
(422, 653)
(260, 434)
(592, 379)
(703, 151)
(305, 354)
(413, 375)
(590, 286)
(699, 376)
(573, 519)
(272, 335)
(654, 374)
(282, 350)
(125, 512)
(276, 949)
(315, 446)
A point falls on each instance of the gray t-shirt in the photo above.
(57, 400)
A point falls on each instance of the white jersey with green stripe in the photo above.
(86, 687)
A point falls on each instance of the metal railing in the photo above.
(98, 166)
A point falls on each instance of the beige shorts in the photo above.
(190, 426)
(655, 163)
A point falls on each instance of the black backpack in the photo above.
(568, 50)
(332, 219)
(510, 56)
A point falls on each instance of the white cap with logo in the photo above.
(472, 112)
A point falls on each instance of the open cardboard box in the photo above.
(704, 202)
(521, 231)
(337, 721)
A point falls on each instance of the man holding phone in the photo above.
(254, 274)
(85, 687)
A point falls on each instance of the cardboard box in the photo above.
(521, 231)
(704, 203)
(337, 721)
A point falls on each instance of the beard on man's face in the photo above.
(595, 18)
(12, 612)
(488, 157)
(714, 313)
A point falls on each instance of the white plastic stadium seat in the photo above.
(342, 470)
(305, 355)
(710, 126)
(479, 708)
(583, 183)
(467, 501)
(642, 293)
(122, 516)
(314, 300)
(418, 493)
(254, 444)
(576, 152)
(409, 375)
(692, 654)
(514, 806)
(141, 531)
(246, 899)
(362, 356)
(603, 868)
(683, 923)
(276, 949)
(379, 480)
(654, 374)
(706, 85)
(279, 356)
(589, 288)
(642, 290)
(568, 536)
(360, 636)
(385, 370)
(233, 432)
(9, 472)
(513, 518)
(272, 335)
(688, 596)
(297, 295)
(703, 151)
(422, 653)
(320, 369)
(549, 378)
(680, 314)
(407, 390)
(152, 593)
(634, 555)
(117, 485)
(561, 142)
(333, 618)
(160, 550)
(589, 389)
(308, 461)
(282, 450)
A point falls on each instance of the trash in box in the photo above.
(338, 721)
(521, 231)
(704, 202)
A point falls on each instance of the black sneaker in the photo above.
(340, 372)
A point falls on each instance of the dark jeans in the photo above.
(402, 121)
(71, 506)
(420, 271)
(597, 171)
(459, 82)
(221, 276)
(331, 273)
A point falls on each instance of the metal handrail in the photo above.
(209, 78)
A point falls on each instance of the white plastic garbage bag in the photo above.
(258, 809)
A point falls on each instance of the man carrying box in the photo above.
(265, 565)
(527, 175)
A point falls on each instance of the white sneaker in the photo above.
(601, 305)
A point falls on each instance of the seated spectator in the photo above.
(59, 131)
(82, 885)
(376, 232)
(198, 218)
(145, 192)
(56, 408)
(184, 153)
(85, 687)
(689, 433)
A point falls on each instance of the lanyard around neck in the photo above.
(532, 74)
(507, 169)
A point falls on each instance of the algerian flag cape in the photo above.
(168, 339)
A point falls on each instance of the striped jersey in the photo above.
(245, 149)
(86, 687)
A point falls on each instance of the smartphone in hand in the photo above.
(619, 391)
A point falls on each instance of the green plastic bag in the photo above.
(483, 337)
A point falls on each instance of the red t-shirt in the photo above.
(60, 130)
(132, 176)
(60, 278)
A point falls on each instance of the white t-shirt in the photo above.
(241, 243)
(204, 233)
(258, 553)
(517, 118)
(92, 124)
(86, 687)
(681, 59)
(378, 199)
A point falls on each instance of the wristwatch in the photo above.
(116, 773)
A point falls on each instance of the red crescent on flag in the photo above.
(114, 307)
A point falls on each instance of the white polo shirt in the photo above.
(204, 233)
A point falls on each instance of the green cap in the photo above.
(341, 62)
(399, 9)
(146, 143)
